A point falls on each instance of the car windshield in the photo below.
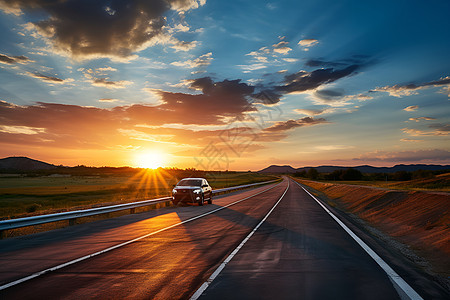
(190, 182)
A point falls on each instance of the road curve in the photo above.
(297, 252)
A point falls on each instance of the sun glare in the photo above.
(150, 160)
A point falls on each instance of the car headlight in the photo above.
(174, 191)
(198, 191)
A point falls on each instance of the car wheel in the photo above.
(210, 198)
(200, 202)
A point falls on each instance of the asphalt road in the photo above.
(298, 252)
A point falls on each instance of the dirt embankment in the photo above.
(418, 219)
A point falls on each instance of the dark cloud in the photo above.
(303, 81)
(104, 27)
(13, 59)
(205, 84)
(267, 97)
(329, 94)
(286, 125)
(228, 98)
(440, 127)
(46, 78)
(322, 63)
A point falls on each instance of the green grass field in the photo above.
(24, 196)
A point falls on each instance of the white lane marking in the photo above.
(37, 274)
(213, 276)
(397, 281)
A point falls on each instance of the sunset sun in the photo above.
(150, 160)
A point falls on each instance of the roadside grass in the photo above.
(27, 196)
(440, 183)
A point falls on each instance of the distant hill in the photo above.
(278, 169)
(19, 163)
(363, 169)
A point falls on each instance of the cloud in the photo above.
(104, 82)
(5, 59)
(79, 127)
(411, 108)
(307, 43)
(21, 129)
(428, 155)
(322, 63)
(97, 78)
(333, 147)
(108, 100)
(412, 89)
(218, 100)
(267, 97)
(304, 81)
(336, 97)
(411, 140)
(440, 127)
(309, 112)
(48, 79)
(252, 67)
(290, 124)
(439, 130)
(202, 61)
(281, 47)
(422, 118)
(184, 46)
(89, 29)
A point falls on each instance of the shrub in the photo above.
(33, 207)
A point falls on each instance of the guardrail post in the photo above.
(132, 210)
(72, 222)
(2, 234)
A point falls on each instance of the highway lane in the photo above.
(168, 265)
(300, 252)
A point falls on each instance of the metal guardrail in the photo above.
(72, 215)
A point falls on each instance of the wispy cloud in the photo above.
(98, 77)
(309, 112)
(104, 82)
(307, 43)
(21, 129)
(5, 59)
(422, 118)
(290, 124)
(333, 147)
(411, 108)
(281, 47)
(202, 61)
(49, 79)
(183, 45)
(438, 130)
(406, 156)
(413, 89)
(108, 100)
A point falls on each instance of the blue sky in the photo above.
(225, 84)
